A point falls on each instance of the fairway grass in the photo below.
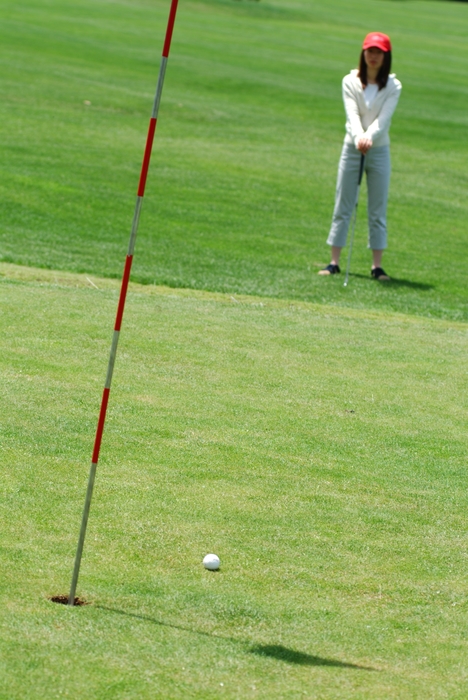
(319, 451)
(241, 187)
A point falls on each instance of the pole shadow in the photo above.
(282, 653)
(154, 621)
(273, 651)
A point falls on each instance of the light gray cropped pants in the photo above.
(377, 168)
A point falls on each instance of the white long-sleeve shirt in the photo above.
(374, 121)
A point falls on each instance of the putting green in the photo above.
(320, 452)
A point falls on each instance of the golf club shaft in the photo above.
(122, 298)
(361, 170)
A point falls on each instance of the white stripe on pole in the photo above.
(157, 97)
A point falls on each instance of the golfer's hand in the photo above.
(364, 145)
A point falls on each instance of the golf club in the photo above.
(361, 170)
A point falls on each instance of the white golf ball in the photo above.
(211, 562)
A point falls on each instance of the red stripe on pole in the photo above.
(146, 159)
(123, 292)
(100, 426)
(170, 27)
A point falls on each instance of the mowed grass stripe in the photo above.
(319, 451)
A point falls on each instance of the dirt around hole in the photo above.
(63, 599)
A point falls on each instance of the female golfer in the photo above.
(370, 96)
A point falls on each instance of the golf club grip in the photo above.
(361, 168)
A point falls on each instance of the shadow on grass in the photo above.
(395, 282)
(146, 618)
(273, 651)
(278, 651)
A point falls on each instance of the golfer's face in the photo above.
(374, 57)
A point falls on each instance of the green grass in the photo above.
(322, 460)
(241, 189)
(313, 436)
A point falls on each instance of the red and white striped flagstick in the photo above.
(123, 296)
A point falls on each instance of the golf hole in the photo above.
(63, 599)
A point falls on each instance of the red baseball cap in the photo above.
(380, 41)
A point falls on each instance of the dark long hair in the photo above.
(383, 73)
